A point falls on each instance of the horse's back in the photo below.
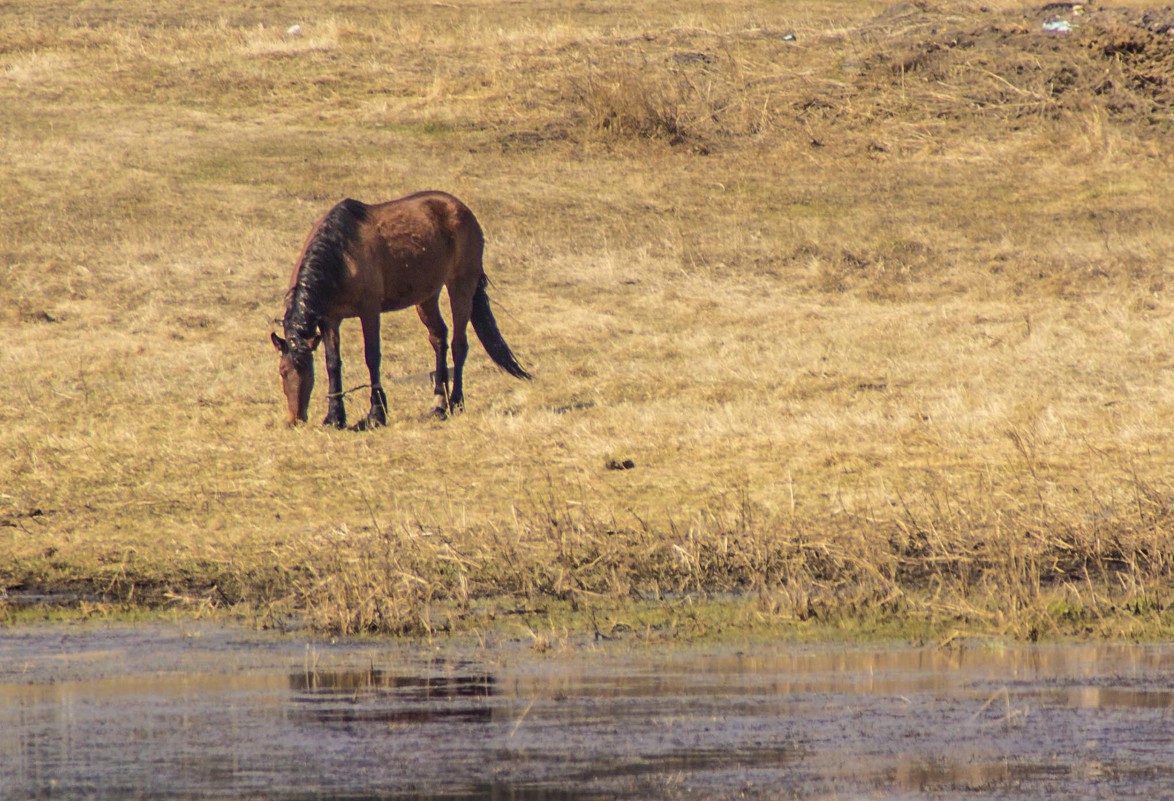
(420, 243)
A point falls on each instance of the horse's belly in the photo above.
(397, 305)
(403, 294)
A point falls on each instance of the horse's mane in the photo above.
(321, 270)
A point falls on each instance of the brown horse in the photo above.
(361, 261)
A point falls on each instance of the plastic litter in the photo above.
(1058, 26)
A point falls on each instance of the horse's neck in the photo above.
(300, 314)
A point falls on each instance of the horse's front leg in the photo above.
(335, 408)
(372, 352)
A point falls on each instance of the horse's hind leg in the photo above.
(429, 312)
(462, 309)
(373, 354)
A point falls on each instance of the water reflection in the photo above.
(1100, 697)
(221, 718)
(419, 688)
(379, 696)
(914, 774)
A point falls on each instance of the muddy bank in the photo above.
(201, 713)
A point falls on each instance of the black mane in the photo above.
(321, 271)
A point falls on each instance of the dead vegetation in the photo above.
(874, 302)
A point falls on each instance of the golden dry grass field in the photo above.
(876, 298)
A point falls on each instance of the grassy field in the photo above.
(876, 299)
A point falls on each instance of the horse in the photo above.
(362, 260)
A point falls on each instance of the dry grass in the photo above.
(881, 315)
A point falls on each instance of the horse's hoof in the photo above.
(439, 413)
(339, 424)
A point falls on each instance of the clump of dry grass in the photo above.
(632, 103)
(936, 560)
(879, 313)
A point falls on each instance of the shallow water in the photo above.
(204, 713)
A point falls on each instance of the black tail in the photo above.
(486, 328)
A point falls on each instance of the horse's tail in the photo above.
(486, 328)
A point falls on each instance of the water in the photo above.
(207, 713)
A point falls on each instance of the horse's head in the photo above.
(296, 368)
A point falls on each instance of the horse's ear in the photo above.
(279, 343)
(313, 343)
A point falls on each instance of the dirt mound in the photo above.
(1054, 57)
(1138, 48)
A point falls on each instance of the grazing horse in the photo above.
(362, 260)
